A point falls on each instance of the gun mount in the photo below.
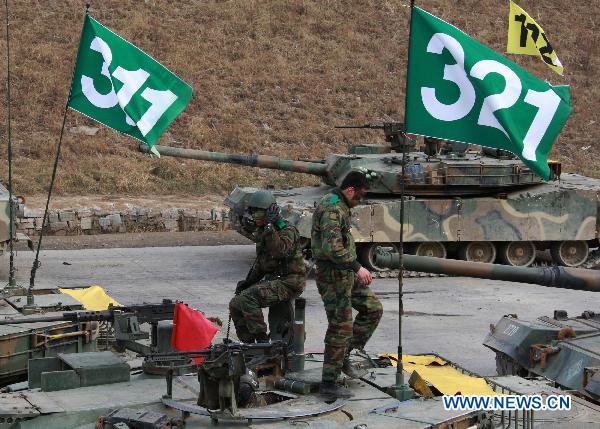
(227, 376)
(393, 131)
(126, 323)
(557, 277)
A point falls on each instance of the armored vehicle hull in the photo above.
(563, 349)
(560, 216)
(142, 401)
(20, 342)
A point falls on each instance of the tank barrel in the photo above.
(558, 277)
(262, 161)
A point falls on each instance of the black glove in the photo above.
(273, 213)
(242, 285)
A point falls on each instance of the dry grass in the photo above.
(268, 76)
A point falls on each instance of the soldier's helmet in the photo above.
(261, 200)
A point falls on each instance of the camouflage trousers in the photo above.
(246, 308)
(341, 291)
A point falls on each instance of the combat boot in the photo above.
(351, 370)
(334, 391)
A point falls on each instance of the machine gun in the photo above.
(227, 375)
(126, 323)
(144, 313)
(394, 133)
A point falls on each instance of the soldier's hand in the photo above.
(242, 285)
(273, 213)
(365, 276)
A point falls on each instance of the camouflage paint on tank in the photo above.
(262, 161)
(470, 173)
(454, 196)
(567, 210)
(553, 214)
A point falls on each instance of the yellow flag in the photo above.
(526, 37)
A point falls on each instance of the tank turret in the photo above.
(450, 172)
(558, 277)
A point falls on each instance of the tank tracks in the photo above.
(593, 260)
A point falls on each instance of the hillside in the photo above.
(269, 77)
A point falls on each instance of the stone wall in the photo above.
(138, 219)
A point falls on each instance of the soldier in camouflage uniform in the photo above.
(342, 282)
(278, 275)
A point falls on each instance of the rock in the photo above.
(115, 219)
(58, 226)
(171, 225)
(104, 223)
(66, 216)
(84, 130)
(27, 212)
(86, 223)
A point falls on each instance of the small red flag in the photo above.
(191, 330)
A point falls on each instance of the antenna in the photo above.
(12, 282)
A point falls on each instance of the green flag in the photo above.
(461, 90)
(120, 86)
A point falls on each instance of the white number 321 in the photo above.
(547, 102)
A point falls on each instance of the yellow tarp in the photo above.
(92, 298)
(442, 376)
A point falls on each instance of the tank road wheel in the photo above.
(517, 253)
(367, 251)
(431, 248)
(569, 253)
(478, 251)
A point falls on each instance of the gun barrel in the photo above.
(80, 316)
(262, 161)
(557, 277)
(145, 313)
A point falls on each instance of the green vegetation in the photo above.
(269, 77)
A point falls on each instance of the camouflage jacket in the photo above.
(278, 253)
(331, 241)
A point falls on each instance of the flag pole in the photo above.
(31, 307)
(12, 282)
(401, 390)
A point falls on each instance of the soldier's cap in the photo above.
(355, 179)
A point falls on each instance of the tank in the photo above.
(475, 205)
(38, 339)
(563, 349)
(49, 323)
(266, 384)
(274, 384)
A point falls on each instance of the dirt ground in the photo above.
(144, 239)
